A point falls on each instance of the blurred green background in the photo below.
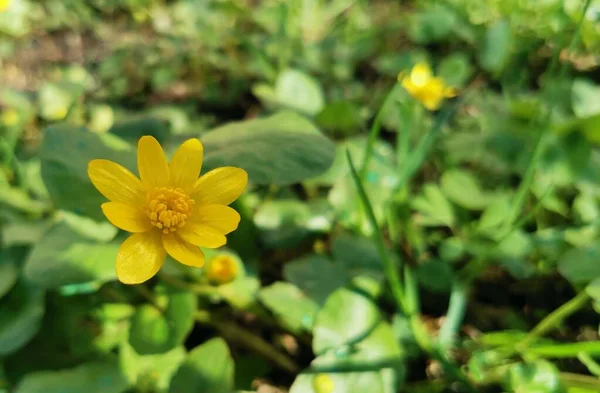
(487, 210)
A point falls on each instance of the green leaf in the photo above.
(64, 257)
(593, 289)
(434, 207)
(380, 165)
(208, 368)
(431, 25)
(462, 188)
(347, 317)
(496, 47)
(292, 306)
(585, 207)
(240, 293)
(493, 218)
(358, 255)
(512, 253)
(317, 276)
(65, 155)
(154, 332)
(452, 249)
(150, 372)
(132, 129)
(22, 310)
(361, 260)
(435, 275)
(343, 116)
(281, 149)
(287, 221)
(8, 273)
(375, 364)
(98, 377)
(580, 265)
(539, 377)
(586, 98)
(293, 90)
(54, 101)
(455, 69)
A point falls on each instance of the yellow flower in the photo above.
(323, 383)
(222, 268)
(10, 117)
(428, 89)
(5, 5)
(169, 209)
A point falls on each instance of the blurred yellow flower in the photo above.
(222, 268)
(169, 209)
(5, 5)
(428, 89)
(60, 113)
(9, 117)
(323, 383)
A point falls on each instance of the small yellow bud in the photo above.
(60, 113)
(5, 5)
(323, 383)
(319, 246)
(9, 117)
(222, 268)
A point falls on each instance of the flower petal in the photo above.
(115, 182)
(182, 251)
(186, 164)
(126, 217)
(221, 217)
(220, 186)
(420, 74)
(152, 163)
(140, 257)
(202, 235)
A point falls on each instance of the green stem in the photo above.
(456, 312)
(374, 132)
(565, 350)
(417, 157)
(388, 265)
(525, 185)
(200, 289)
(554, 319)
(590, 363)
(580, 381)
(409, 304)
(236, 334)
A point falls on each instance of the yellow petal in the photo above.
(140, 257)
(202, 235)
(220, 186)
(421, 74)
(127, 217)
(152, 163)
(409, 86)
(183, 251)
(450, 92)
(221, 217)
(186, 164)
(432, 102)
(115, 182)
(433, 94)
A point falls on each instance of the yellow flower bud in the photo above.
(9, 117)
(323, 383)
(5, 5)
(222, 268)
(319, 246)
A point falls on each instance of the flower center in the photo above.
(168, 208)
